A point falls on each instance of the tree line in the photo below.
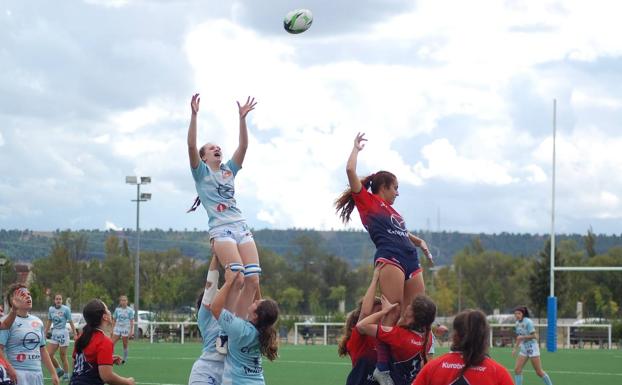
(308, 279)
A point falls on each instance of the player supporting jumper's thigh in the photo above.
(400, 280)
(231, 238)
(208, 368)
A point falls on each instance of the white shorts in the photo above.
(123, 331)
(529, 350)
(59, 337)
(238, 233)
(29, 377)
(205, 372)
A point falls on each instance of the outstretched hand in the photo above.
(20, 299)
(194, 103)
(386, 305)
(246, 108)
(358, 141)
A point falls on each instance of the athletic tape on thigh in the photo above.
(252, 269)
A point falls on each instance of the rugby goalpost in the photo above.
(551, 308)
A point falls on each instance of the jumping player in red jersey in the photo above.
(361, 348)
(467, 363)
(400, 281)
(410, 341)
(92, 355)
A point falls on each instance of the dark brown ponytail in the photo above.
(471, 332)
(93, 313)
(344, 204)
(267, 315)
(424, 313)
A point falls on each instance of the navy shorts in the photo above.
(409, 266)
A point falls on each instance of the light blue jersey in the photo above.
(524, 328)
(23, 342)
(243, 362)
(216, 190)
(123, 316)
(59, 316)
(208, 325)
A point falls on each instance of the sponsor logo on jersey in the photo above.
(221, 207)
(21, 357)
(226, 173)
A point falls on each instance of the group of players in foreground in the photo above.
(389, 339)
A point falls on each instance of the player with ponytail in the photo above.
(401, 280)
(410, 341)
(468, 361)
(361, 348)
(92, 355)
(248, 339)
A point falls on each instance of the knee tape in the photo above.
(252, 269)
(235, 267)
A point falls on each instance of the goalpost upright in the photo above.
(551, 308)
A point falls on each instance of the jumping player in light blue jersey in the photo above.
(527, 347)
(58, 316)
(207, 370)
(23, 344)
(248, 339)
(123, 325)
(230, 236)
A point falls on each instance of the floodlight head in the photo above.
(131, 180)
(145, 196)
(145, 179)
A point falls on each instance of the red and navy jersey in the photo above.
(86, 363)
(445, 370)
(385, 226)
(406, 352)
(362, 352)
(4, 375)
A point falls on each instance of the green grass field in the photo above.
(168, 363)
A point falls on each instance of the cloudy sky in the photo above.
(455, 97)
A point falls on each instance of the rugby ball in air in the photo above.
(298, 21)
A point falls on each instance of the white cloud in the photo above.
(111, 226)
(449, 101)
(445, 163)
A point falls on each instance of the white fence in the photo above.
(173, 329)
(571, 335)
(500, 334)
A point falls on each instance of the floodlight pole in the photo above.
(139, 198)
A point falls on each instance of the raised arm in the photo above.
(193, 152)
(368, 300)
(19, 299)
(240, 152)
(218, 303)
(353, 178)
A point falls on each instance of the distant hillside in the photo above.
(354, 246)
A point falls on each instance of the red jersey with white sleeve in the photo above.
(362, 352)
(388, 231)
(406, 352)
(445, 370)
